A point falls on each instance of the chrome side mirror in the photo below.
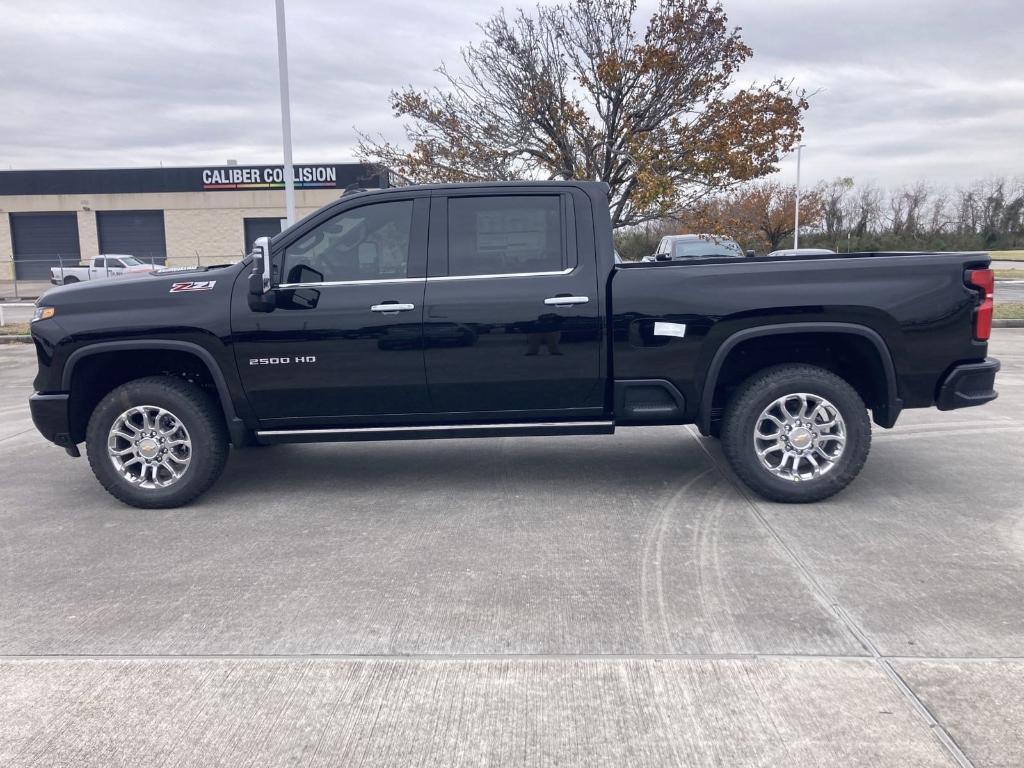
(261, 249)
(261, 299)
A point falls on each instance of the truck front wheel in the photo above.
(796, 433)
(157, 442)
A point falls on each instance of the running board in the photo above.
(434, 432)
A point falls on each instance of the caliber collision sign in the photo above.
(210, 178)
(268, 177)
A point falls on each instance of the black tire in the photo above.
(69, 280)
(743, 414)
(197, 412)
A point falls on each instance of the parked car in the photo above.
(802, 252)
(99, 268)
(695, 247)
(526, 326)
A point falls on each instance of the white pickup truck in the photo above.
(99, 268)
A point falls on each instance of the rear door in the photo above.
(513, 323)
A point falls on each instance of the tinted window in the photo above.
(710, 247)
(100, 263)
(504, 235)
(367, 243)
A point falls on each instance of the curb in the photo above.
(1008, 323)
(19, 339)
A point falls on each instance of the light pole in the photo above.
(286, 114)
(796, 223)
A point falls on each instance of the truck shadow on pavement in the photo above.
(599, 464)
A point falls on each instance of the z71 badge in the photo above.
(193, 285)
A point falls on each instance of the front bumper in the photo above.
(969, 384)
(51, 417)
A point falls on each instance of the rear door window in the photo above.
(505, 234)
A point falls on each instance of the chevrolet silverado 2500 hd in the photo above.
(498, 309)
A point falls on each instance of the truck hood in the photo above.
(168, 299)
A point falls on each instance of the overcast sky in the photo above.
(906, 89)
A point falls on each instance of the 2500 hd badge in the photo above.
(282, 360)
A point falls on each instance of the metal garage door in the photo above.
(260, 227)
(137, 233)
(43, 240)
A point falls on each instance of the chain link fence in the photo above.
(29, 278)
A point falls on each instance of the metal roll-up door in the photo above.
(43, 240)
(136, 233)
(261, 226)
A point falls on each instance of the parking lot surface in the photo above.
(520, 601)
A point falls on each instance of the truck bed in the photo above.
(917, 303)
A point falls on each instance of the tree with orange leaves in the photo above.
(573, 92)
(761, 213)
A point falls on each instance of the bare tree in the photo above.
(573, 92)
(867, 208)
(833, 196)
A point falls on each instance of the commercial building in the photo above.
(163, 215)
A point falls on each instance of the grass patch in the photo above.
(14, 329)
(1009, 310)
(1007, 255)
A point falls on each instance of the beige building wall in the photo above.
(6, 242)
(88, 237)
(6, 248)
(210, 223)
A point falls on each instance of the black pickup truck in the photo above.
(498, 309)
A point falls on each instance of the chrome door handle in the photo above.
(566, 301)
(392, 308)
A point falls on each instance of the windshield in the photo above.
(681, 249)
(130, 261)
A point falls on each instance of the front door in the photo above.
(513, 326)
(344, 343)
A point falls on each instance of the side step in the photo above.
(435, 431)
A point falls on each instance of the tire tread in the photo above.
(738, 450)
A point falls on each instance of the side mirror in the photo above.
(750, 253)
(260, 297)
(262, 250)
(663, 257)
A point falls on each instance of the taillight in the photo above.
(984, 281)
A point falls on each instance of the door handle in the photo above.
(392, 309)
(566, 301)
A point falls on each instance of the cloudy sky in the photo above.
(905, 89)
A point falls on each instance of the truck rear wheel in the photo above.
(157, 442)
(69, 280)
(796, 433)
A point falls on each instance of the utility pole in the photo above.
(286, 114)
(796, 223)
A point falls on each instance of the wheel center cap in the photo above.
(148, 447)
(801, 437)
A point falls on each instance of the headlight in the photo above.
(43, 313)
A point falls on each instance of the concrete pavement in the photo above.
(531, 601)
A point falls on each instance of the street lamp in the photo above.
(796, 223)
(286, 116)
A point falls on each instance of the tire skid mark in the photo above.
(651, 560)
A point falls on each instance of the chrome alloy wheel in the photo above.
(799, 437)
(149, 447)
